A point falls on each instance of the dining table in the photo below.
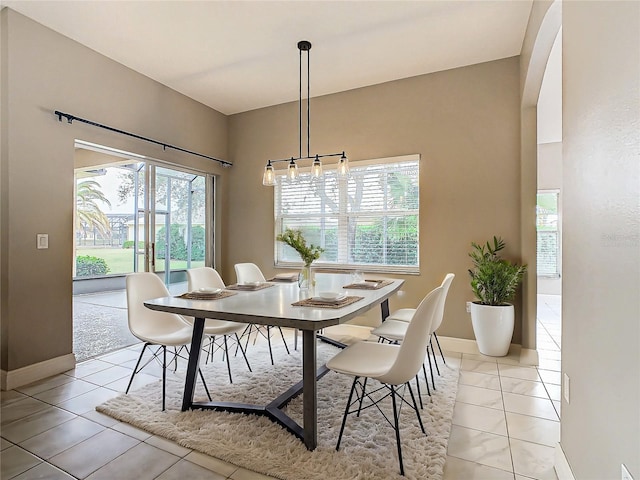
(279, 304)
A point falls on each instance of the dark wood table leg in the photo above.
(192, 365)
(384, 307)
(309, 397)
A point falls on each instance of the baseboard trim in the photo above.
(465, 345)
(561, 465)
(32, 373)
(459, 345)
(529, 356)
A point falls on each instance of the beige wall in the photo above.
(43, 71)
(465, 124)
(601, 284)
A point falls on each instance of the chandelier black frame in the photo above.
(269, 178)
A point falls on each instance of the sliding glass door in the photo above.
(177, 222)
(142, 216)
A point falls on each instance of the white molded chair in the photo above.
(392, 365)
(208, 277)
(395, 326)
(405, 314)
(153, 327)
(247, 273)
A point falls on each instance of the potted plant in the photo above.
(494, 281)
(308, 253)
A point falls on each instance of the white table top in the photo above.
(272, 306)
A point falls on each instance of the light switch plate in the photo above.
(42, 241)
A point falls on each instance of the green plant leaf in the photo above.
(494, 280)
(296, 240)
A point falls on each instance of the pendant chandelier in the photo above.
(269, 176)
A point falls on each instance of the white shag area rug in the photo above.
(368, 448)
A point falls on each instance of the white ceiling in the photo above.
(236, 56)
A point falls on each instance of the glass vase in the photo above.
(306, 280)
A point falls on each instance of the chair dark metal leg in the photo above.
(433, 382)
(284, 341)
(269, 342)
(212, 344)
(415, 407)
(238, 344)
(164, 373)
(346, 412)
(397, 427)
(135, 370)
(364, 388)
(439, 348)
(248, 330)
(204, 384)
(419, 393)
(426, 380)
(175, 358)
(435, 361)
(226, 351)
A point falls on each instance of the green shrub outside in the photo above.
(177, 242)
(129, 244)
(371, 247)
(374, 244)
(87, 266)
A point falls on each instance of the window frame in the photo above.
(344, 216)
(558, 232)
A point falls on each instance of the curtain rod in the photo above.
(70, 118)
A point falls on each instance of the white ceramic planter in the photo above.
(493, 327)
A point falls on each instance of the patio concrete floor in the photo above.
(100, 322)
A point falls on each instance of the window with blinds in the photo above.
(369, 219)
(548, 246)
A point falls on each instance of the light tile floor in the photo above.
(505, 422)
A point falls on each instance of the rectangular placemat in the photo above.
(236, 286)
(370, 284)
(206, 296)
(287, 279)
(311, 302)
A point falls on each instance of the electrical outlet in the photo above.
(625, 473)
(42, 241)
(565, 387)
(468, 307)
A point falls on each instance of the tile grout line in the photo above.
(506, 424)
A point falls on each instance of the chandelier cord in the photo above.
(269, 175)
(308, 106)
(300, 107)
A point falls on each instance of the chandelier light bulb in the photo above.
(343, 166)
(316, 168)
(269, 176)
(292, 171)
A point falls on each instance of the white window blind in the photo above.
(368, 220)
(548, 241)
